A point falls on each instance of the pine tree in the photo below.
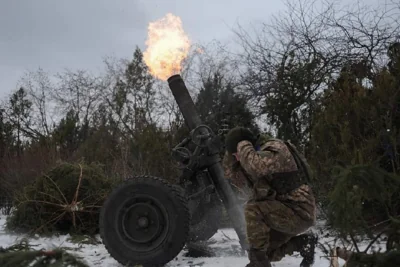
(133, 99)
(218, 104)
(20, 112)
(6, 135)
(66, 134)
(355, 135)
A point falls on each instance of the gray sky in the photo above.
(54, 34)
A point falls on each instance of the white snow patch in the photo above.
(224, 242)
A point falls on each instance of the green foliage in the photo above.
(66, 134)
(54, 258)
(66, 199)
(6, 135)
(22, 255)
(363, 196)
(355, 125)
(20, 105)
(133, 96)
(20, 112)
(394, 56)
(23, 245)
(151, 153)
(217, 104)
(103, 146)
(386, 259)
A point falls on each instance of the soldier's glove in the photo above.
(237, 135)
(262, 139)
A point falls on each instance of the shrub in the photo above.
(66, 199)
(365, 199)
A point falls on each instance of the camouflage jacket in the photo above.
(237, 178)
(274, 156)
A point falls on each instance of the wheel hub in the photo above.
(142, 222)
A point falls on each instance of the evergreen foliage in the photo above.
(218, 103)
(356, 124)
(66, 199)
(365, 199)
(387, 259)
(22, 255)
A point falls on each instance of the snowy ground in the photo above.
(224, 244)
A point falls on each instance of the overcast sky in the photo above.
(54, 34)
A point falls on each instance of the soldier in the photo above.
(281, 204)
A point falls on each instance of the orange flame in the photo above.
(167, 46)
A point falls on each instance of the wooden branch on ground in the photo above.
(334, 258)
(337, 253)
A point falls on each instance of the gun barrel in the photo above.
(184, 101)
(192, 120)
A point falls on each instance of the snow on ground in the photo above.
(224, 245)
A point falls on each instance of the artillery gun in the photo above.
(147, 221)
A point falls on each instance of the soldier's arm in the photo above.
(255, 163)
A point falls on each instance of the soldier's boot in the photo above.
(258, 258)
(307, 244)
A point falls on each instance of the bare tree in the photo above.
(39, 86)
(78, 91)
(366, 33)
(288, 62)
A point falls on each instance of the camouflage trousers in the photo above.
(273, 227)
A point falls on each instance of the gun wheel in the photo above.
(145, 221)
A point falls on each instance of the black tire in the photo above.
(208, 220)
(157, 207)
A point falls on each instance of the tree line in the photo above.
(324, 76)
